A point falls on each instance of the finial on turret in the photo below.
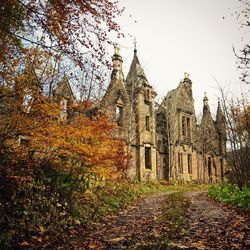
(135, 46)
(186, 75)
(117, 50)
(218, 100)
(205, 99)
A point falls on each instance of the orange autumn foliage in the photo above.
(75, 145)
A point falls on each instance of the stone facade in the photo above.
(164, 139)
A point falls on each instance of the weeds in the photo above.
(176, 213)
(231, 194)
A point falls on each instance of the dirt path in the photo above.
(210, 225)
(214, 226)
(128, 229)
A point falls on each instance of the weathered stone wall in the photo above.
(165, 143)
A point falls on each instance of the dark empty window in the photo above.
(188, 127)
(183, 126)
(147, 123)
(189, 164)
(119, 115)
(209, 166)
(215, 170)
(148, 157)
(148, 95)
(24, 142)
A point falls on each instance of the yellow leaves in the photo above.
(76, 144)
(77, 222)
(199, 245)
(24, 244)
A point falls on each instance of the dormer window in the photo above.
(119, 115)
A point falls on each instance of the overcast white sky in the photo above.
(177, 36)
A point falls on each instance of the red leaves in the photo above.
(62, 22)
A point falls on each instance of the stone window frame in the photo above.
(186, 126)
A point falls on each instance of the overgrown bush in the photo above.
(232, 194)
(36, 209)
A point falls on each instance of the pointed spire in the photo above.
(135, 47)
(219, 114)
(135, 69)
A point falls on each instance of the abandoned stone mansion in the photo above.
(164, 139)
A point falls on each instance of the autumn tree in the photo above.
(74, 28)
(75, 33)
(45, 159)
(237, 114)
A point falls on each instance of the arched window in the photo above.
(119, 115)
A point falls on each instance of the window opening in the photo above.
(147, 157)
(188, 127)
(189, 164)
(119, 115)
(180, 163)
(183, 126)
(147, 123)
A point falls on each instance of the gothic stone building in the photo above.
(164, 139)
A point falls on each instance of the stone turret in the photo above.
(208, 131)
(142, 98)
(117, 65)
(206, 109)
(188, 84)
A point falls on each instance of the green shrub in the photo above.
(230, 193)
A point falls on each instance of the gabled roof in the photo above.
(64, 89)
(179, 98)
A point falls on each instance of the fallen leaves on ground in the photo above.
(165, 221)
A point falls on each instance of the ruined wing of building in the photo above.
(164, 140)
